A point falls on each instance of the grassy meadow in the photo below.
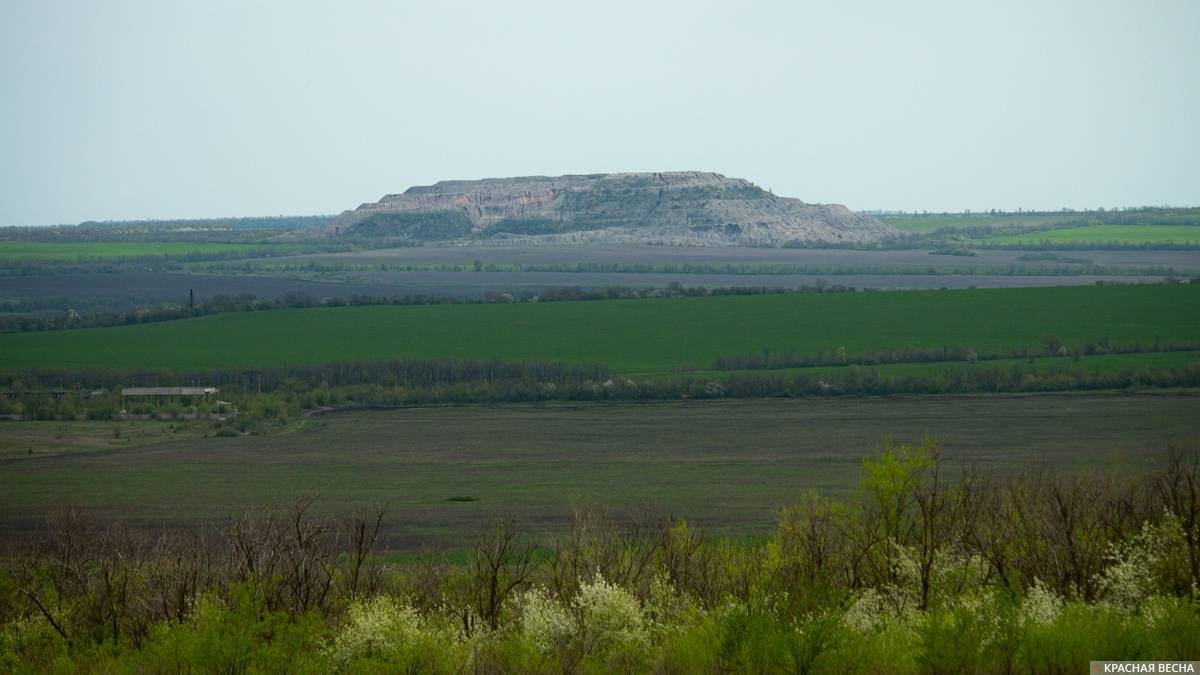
(640, 336)
(26, 439)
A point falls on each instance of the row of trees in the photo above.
(1052, 346)
(150, 262)
(184, 229)
(742, 269)
(281, 393)
(301, 377)
(926, 568)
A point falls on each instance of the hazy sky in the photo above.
(157, 109)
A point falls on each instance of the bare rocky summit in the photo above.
(675, 208)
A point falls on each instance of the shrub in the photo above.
(384, 631)
(1173, 627)
(604, 624)
(544, 621)
(959, 638)
(752, 640)
(234, 634)
(29, 644)
(1131, 576)
(611, 620)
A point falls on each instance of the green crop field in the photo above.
(1103, 234)
(728, 465)
(37, 250)
(630, 335)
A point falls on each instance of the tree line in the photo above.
(1052, 346)
(149, 262)
(186, 229)
(270, 395)
(756, 269)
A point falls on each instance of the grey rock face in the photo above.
(679, 208)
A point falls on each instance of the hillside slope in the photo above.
(676, 208)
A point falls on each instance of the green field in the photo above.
(37, 250)
(728, 465)
(1104, 234)
(640, 336)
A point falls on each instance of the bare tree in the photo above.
(181, 568)
(622, 552)
(691, 565)
(309, 559)
(501, 563)
(256, 540)
(815, 551)
(1178, 488)
(362, 533)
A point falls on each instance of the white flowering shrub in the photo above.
(387, 630)
(875, 639)
(890, 600)
(865, 612)
(1131, 576)
(951, 574)
(978, 608)
(610, 617)
(544, 620)
(874, 609)
(375, 627)
(1040, 606)
(604, 622)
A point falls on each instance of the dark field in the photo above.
(121, 292)
(668, 255)
(724, 465)
(474, 284)
(272, 278)
(118, 292)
